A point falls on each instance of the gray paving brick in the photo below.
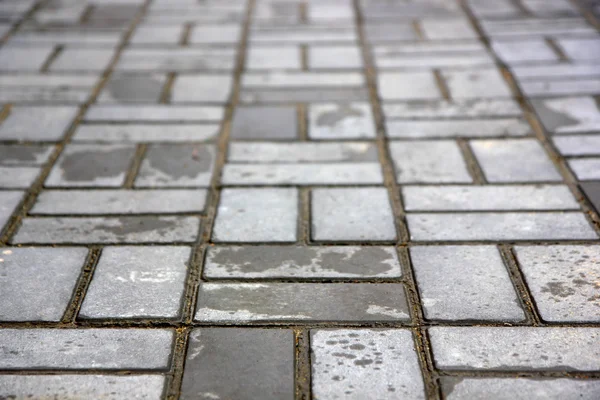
(577, 145)
(340, 121)
(536, 27)
(31, 59)
(382, 32)
(41, 348)
(155, 113)
(516, 348)
(273, 57)
(334, 57)
(514, 160)
(301, 262)
(580, 48)
(245, 302)
(146, 34)
(78, 59)
(550, 8)
(97, 202)
(488, 198)
(46, 89)
(524, 51)
(417, 60)
(37, 283)
(300, 152)
(257, 215)
(14, 177)
(267, 123)
(302, 35)
(91, 165)
(108, 230)
(177, 165)
(592, 191)
(23, 123)
(365, 363)
(457, 128)
(465, 283)
(9, 200)
(559, 70)
(136, 88)
(136, 133)
(176, 59)
(109, 387)
(24, 155)
(284, 79)
(444, 29)
(351, 214)
(481, 83)
(239, 364)
(500, 226)
(408, 86)
(564, 87)
(563, 281)
(90, 38)
(586, 168)
(568, 115)
(461, 108)
(202, 88)
(137, 282)
(429, 161)
(303, 95)
(213, 34)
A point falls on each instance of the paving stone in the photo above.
(24, 155)
(302, 35)
(41, 348)
(334, 57)
(213, 34)
(171, 165)
(340, 121)
(462, 108)
(202, 88)
(13, 177)
(14, 58)
(137, 282)
(420, 60)
(108, 230)
(520, 388)
(445, 29)
(176, 59)
(523, 51)
(579, 145)
(500, 226)
(9, 200)
(136, 88)
(565, 87)
(568, 115)
(381, 32)
(98, 202)
(58, 37)
(256, 215)
(581, 48)
(351, 214)
(476, 84)
(37, 283)
(560, 70)
(272, 123)
(239, 364)
(536, 27)
(465, 283)
(516, 348)
(109, 387)
(146, 133)
(514, 160)
(46, 89)
(283, 79)
(497, 8)
(155, 113)
(592, 191)
(273, 57)
(407, 86)
(586, 168)
(78, 59)
(304, 95)
(301, 262)
(563, 281)
(436, 48)
(488, 198)
(365, 363)
(91, 165)
(254, 302)
(429, 161)
(457, 128)
(328, 12)
(147, 34)
(550, 8)
(23, 123)
(300, 152)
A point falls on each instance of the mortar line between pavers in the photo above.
(87, 13)
(186, 33)
(589, 16)
(302, 365)
(53, 56)
(34, 189)
(16, 26)
(82, 284)
(302, 116)
(134, 167)
(165, 94)
(471, 162)
(441, 84)
(543, 138)
(304, 222)
(204, 235)
(556, 49)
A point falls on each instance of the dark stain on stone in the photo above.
(448, 384)
(552, 119)
(558, 289)
(88, 165)
(133, 225)
(363, 363)
(356, 346)
(345, 355)
(134, 87)
(22, 155)
(332, 118)
(178, 162)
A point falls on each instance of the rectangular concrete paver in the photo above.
(9, 200)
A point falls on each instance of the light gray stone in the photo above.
(334, 57)
(580, 49)
(563, 87)
(488, 198)
(98, 202)
(464, 283)
(301, 152)
(303, 95)
(514, 160)
(18, 177)
(216, 34)
(152, 34)
(82, 59)
(579, 145)
(136, 133)
(386, 31)
(520, 388)
(524, 51)
(257, 215)
(291, 80)
(201, 88)
(301, 262)
(137, 282)
(24, 122)
(563, 281)
(569, 115)
(586, 168)
(457, 128)
(42, 348)
(24, 155)
(244, 364)
(536, 27)
(516, 348)
(446, 28)
(461, 108)
(420, 60)
(429, 161)
(108, 230)
(340, 121)
(255, 302)
(301, 35)
(13, 58)
(550, 7)
(57, 37)
(500, 226)
(273, 57)
(176, 59)
(553, 71)
(365, 363)
(154, 113)
(351, 214)
(481, 83)
(9, 200)
(408, 86)
(37, 283)
(266, 123)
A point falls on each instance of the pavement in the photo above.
(299, 199)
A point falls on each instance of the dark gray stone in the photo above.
(9, 200)
(24, 155)
(136, 88)
(267, 123)
(568, 115)
(592, 191)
